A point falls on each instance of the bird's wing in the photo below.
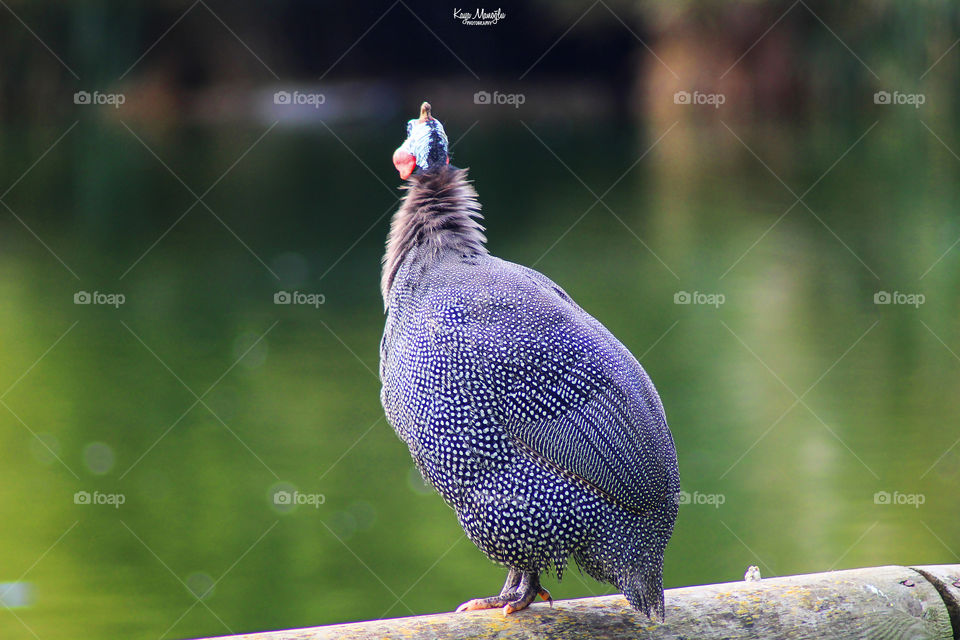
(565, 389)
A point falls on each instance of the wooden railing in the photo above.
(878, 602)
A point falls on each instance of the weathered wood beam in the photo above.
(878, 602)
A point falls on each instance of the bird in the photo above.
(531, 420)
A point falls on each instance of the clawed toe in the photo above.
(526, 598)
(517, 605)
(481, 603)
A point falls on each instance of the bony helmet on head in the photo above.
(425, 146)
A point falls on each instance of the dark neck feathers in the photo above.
(439, 212)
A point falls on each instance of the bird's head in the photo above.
(425, 146)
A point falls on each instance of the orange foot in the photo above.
(518, 592)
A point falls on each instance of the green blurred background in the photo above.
(815, 428)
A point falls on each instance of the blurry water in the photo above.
(198, 460)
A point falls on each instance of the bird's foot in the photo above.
(514, 597)
(526, 598)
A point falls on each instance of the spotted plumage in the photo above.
(530, 419)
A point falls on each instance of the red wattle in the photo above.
(405, 163)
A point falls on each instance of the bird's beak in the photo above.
(405, 163)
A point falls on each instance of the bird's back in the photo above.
(473, 342)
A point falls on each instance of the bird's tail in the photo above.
(642, 584)
(641, 578)
(630, 556)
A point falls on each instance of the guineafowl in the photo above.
(532, 421)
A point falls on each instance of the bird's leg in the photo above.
(510, 585)
(527, 592)
(518, 592)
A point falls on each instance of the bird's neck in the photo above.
(439, 212)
